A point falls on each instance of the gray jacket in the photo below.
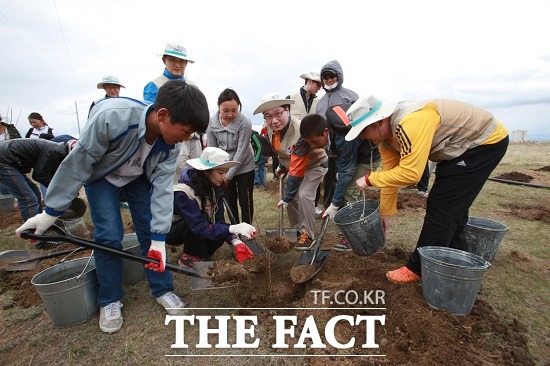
(338, 95)
(110, 137)
(233, 139)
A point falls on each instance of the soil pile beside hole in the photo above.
(302, 273)
(544, 169)
(227, 273)
(278, 245)
(256, 264)
(529, 212)
(516, 177)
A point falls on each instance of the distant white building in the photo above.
(519, 136)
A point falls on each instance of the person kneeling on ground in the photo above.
(199, 212)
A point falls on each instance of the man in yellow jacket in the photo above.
(466, 141)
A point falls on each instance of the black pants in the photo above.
(329, 182)
(456, 186)
(241, 188)
(424, 181)
(193, 245)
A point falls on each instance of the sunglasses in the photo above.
(328, 75)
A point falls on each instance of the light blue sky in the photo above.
(494, 54)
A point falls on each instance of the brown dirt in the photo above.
(544, 169)
(278, 245)
(414, 333)
(301, 273)
(256, 264)
(516, 176)
(529, 212)
(227, 273)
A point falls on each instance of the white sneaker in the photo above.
(423, 193)
(172, 303)
(110, 317)
(318, 211)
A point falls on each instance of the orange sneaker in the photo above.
(402, 276)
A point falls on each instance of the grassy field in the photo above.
(517, 286)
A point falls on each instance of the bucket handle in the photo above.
(86, 266)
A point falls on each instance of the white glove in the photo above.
(157, 251)
(40, 223)
(330, 211)
(280, 171)
(282, 203)
(361, 183)
(243, 229)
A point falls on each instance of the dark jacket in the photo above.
(41, 156)
(204, 225)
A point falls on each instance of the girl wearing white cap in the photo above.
(199, 212)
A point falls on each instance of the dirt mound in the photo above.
(278, 245)
(516, 177)
(414, 332)
(529, 212)
(544, 169)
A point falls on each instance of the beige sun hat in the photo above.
(365, 112)
(109, 80)
(212, 158)
(176, 50)
(272, 100)
(312, 75)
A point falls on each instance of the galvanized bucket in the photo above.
(484, 236)
(132, 271)
(69, 291)
(6, 203)
(451, 278)
(361, 225)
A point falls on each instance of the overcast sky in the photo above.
(494, 54)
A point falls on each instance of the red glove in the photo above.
(157, 251)
(242, 252)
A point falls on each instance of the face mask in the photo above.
(331, 86)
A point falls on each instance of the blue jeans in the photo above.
(103, 200)
(260, 172)
(21, 187)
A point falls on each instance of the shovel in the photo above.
(24, 260)
(315, 257)
(253, 244)
(59, 234)
(289, 234)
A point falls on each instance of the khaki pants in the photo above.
(301, 210)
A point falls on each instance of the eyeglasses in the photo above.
(328, 76)
(111, 86)
(277, 115)
(176, 60)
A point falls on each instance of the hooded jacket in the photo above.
(338, 95)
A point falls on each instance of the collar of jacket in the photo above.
(171, 76)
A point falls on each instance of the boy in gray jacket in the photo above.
(132, 147)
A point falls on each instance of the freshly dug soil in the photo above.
(227, 273)
(302, 272)
(544, 169)
(278, 245)
(516, 177)
(256, 264)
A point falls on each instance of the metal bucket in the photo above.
(6, 203)
(132, 271)
(484, 236)
(451, 278)
(69, 291)
(361, 225)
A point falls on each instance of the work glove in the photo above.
(282, 203)
(242, 252)
(157, 251)
(363, 182)
(330, 211)
(40, 223)
(243, 229)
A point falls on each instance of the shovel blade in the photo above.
(254, 246)
(307, 256)
(8, 257)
